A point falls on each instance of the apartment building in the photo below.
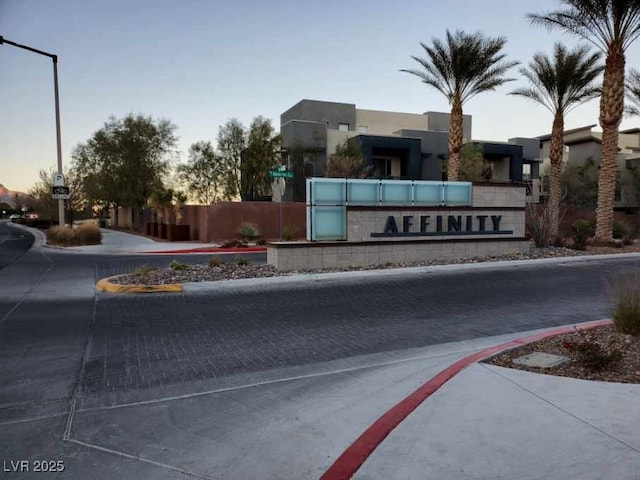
(583, 143)
(393, 144)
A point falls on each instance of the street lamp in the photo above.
(54, 58)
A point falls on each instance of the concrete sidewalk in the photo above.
(491, 422)
(115, 242)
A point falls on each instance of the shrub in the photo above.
(143, 271)
(88, 234)
(581, 231)
(241, 261)
(288, 233)
(261, 242)
(216, 262)
(248, 230)
(234, 244)
(178, 266)
(625, 293)
(539, 225)
(60, 236)
(590, 353)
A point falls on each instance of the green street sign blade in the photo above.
(280, 174)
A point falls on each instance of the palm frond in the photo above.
(564, 80)
(463, 65)
(632, 94)
(604, 23)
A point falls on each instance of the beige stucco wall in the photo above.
(381, 122)
(335, 138)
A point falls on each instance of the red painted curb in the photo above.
(214, 250)
(357, 453)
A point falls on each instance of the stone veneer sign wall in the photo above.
(373, 222)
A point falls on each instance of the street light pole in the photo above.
(54, 58)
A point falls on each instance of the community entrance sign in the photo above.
(373, 222)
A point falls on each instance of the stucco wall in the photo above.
(379, 122)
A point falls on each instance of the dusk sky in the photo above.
(199, 63)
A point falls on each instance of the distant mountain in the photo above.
(9, 196)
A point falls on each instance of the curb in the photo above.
(104, 285)
(357, 453)
(209, 250)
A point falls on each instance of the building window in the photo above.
(526, 172)
(381, 167)
(363, 129)
(343, 127)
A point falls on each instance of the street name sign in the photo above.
(280, 174)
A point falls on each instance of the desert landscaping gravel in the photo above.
(627, 370)
(231, 271)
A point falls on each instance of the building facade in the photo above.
(394, 145)
(584, 144)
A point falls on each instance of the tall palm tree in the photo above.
(612, 26)
(633, 94)
(464, 66)
(560, 84)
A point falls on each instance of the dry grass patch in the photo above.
(85, 234)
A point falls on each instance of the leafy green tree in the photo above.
(232, 140)
(579, 185)
(346, 162)
(42, 201)
(260, 156)
(126, 160)
(203, 174)
(473, 167)
(559, 84)
(612, 26)
(461, 68)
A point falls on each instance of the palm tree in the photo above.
(560, 84)
(633, 93)
(468, 64)
(612, 26)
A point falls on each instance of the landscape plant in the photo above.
(590, 354)
(85, 234)
(248, 231)
(611, 26)
(581, 231)
(461, 67)
(241, 261)
(625, 293)
(178, 266)
(216, 262)
(560, 83)
(539, 224)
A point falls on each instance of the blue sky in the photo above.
(201, 62)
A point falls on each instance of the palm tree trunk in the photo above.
(611, 109)
(555, 155)
(455, 140)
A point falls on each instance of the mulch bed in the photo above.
(627, 370)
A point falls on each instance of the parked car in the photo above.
(15, 218)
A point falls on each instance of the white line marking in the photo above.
(139, 458)
(271, 382)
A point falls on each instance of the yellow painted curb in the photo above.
(104, 285)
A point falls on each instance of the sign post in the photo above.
(280, 172)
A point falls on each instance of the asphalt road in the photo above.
(64, 349)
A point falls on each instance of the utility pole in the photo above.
(54, 58)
